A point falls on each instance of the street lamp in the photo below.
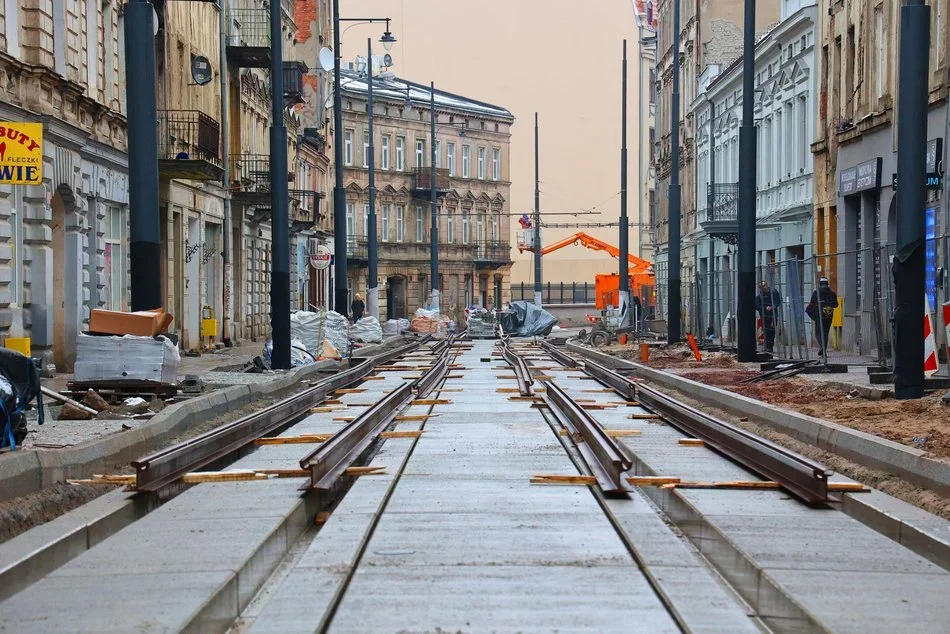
(340, 282)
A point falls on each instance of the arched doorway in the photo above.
(396, 297)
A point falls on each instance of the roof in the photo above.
(396, 89)
(645, 13)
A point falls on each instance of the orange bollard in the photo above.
(644, 352)
(622, 338)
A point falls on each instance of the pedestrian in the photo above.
(767, 303)
(357, 308)
(821, 309)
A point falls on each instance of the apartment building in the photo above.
(710, 34)
(785, 105)
(644, 12)
(856, 157)
(473, 189)
(64, 242)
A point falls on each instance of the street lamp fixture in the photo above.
(388, 39)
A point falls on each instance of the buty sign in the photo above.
(21, 153)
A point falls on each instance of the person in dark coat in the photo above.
(767, 303)
(821, 309)
(357, 308)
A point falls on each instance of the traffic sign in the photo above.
(320, 260)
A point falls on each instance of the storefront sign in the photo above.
(862, 177)
(21, 153)
(933, 181)
(321, 259)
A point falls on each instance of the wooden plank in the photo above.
(627, 403)
(351, 390)
(449, 389)
(332, 401)
(644, 416)
(374, 378)
(652, 481)
(564, 480)
(344, 419)
(420, 418)
(324, 410)
(597, 406)
(524, 398)
(360, 404)
(361, 471)
(838, 487)
(411, 378)
(431, 401)
(691, 442)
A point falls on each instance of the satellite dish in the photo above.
(387, 60)
(155, 23)
(201, 70)
(327, 59)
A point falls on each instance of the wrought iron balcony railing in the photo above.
(722, 202)
(423, 175)
(248, 40)
(188, 135)
(493, 252)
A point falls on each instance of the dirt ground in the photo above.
(680, 356)
(924, 423)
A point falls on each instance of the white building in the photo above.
(785, 106)
(645, 13)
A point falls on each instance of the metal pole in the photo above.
(372, 292)
(226, 307)
(625, 305)
(144, 224)
(745, 317)
(909, 265)
(641, 182)
(340, 281)
(537, 220)
(433, 206)
(673, 299)
(280, 223)
(710, 199)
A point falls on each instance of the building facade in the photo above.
(646, 17)
(856, 160)
(785, 105)
(473, 189)
(64, 243)
(710, 35)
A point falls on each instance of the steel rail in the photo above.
(805, 479)
(329, 461)
(166, 466)
(561, 357)
(424, 384)
(607, 461)
(522, 373)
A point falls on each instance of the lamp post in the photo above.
(910, 262)
(537, 219)
(625, 305)
(745, 318)
(340, 282)
(372, 291)
(674, 299)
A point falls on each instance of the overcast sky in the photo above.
(559, 57)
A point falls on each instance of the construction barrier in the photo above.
(931, 365)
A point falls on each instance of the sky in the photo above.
(561, 58)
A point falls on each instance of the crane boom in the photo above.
(639, 265)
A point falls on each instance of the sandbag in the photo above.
(337, 331)
(309, 328)
(367, 330)
(390, 327)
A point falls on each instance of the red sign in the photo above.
(321, 259)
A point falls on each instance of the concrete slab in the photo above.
(500, 599)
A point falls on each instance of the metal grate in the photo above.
(723, 201)
(249, 28)
(188, 134)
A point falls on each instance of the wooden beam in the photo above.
(293, 440)
(613, 433)
(402, 434)
(652, 481)
(351, 390)
(431, 401)
(568, 480)
(691, 442)
(420, 418)
(644, 416)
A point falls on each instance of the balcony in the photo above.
(493, 254)
(422, 183)
(293, 83)
(248, 43)
(188, 146)
(251, 184)
(722, 212)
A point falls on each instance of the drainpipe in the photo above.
(226, 309)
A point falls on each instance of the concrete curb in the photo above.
(860, 447)
(25, 472)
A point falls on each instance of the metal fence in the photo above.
(557, 293)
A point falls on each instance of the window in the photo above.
(466, 161)
(385, 153)
(438, 153)
(92, 49)
(880, 58)
(400, 153)
(365, 149)
(420, 153)
(385, 231)
(496, 165)
(12, 14)
(400, 223)
(450, 158)
(803, 124)
(116, 257)
(481, 163)
(494, 227)
(350, 221)
(366, 221)
(348, 147)
(480, 228)
(420, 226)
(466, 229)
(450, 228)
